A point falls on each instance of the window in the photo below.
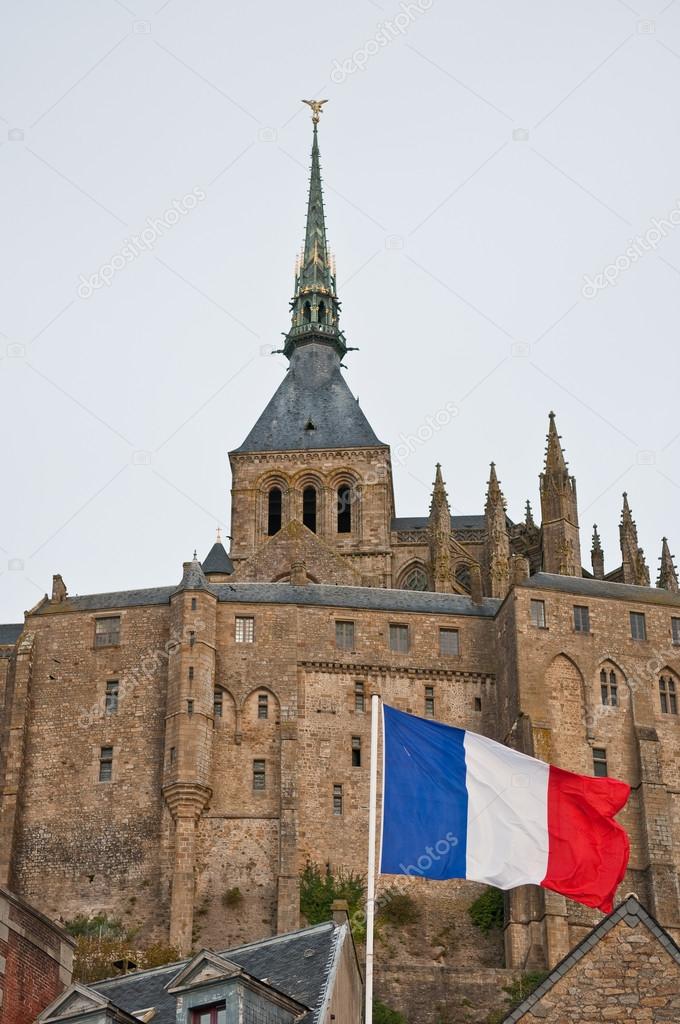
(415, 579)
(478, 703)
(107, 631)
(356, 751)
(259, 775)
(337, 801)
(245, 629)
(448, 642)
(218, 703)
(190, 707)
(668, 696)
(609, 688)
(216, 1014)
(309, 508)
(344, 635)
(274, 511)
(106, 764)
(537, 612)
(638, 628)
(344, 509)
(173, 755)
(359, 697)
(191, 673)
(111, 699)
(262, 705)
(463, 577)
(193, 604)
(581, 619)
(399, 639)
(675, 630)
(192, 637)
(429, 702)
(599, 762)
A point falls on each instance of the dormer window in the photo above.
(215, 1014)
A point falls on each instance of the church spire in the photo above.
(668, 574)
(315, 307)
(559, 510)
(440, 535)
(634, 567)
(497, 539)
(597, 555)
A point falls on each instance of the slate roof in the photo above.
(420, 523)
(10, 632)
(633, 913)
(320, 595)
(298, 964)
(313, 390)
(193, 577)
(217, 560)
(584, 587)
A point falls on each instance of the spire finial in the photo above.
(315, 106)
(195, 555)
(218, 539)
(528, 515)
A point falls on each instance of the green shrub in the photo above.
(232, 898)
(397, 908)
(98, 926)
(101, 940)
(384, 1015)
(319, 889)
(487, 910)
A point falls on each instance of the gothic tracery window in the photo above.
(609, 688)
(463, 576)
(415, 579)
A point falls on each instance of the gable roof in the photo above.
(298, 964)
(632, 913)
(585, 587)
(10, 632)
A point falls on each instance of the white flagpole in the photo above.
(370, 894)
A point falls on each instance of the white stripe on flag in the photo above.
(507, 837)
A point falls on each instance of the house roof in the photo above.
(632, 913)
(298, 964)
(10, 632)
(601, 588)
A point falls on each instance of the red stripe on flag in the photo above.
(588, 850)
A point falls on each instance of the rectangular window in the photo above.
(537, 612)
(344, 635)
(668, 696)
(399, 639)
(609, 688)
(216, 1014)
(173, 755)
(193, 604)
(245, 629)
(259, 775)
(449, 642)
(599, 762)
(191, 672)
(337, 801)
(356, 751)
(218, 703)
(190, 707)
(478, 703)
(675, 631)
(638, 627)
(111, 699)
(429, 702)
(106, 764)
(581, 618)
(192, 637)
(107, 631)
(262, 705)
(359, 696)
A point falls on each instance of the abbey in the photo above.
(174, 756)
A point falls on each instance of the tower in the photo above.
(440, 535)
(498, 541)
(312, 474)
(633, 565)
(559, 511)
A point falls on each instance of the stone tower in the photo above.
(559, 511)
(311, 481)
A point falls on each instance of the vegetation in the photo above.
(318, 890)
(232, 898)
(397, 908)
(521, 987)
(102, 940)
(383, 1015)
(487, 910)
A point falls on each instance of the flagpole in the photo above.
(370, 886)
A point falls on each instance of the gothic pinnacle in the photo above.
(554, 454)
(439, 495)
(597, 545)
(528, 515)
(494, 495)
(668, 574)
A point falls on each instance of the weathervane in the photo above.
(316, 106)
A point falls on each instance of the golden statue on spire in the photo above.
(316, 106)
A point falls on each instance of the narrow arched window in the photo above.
(274, 508)
(415, 579)
(309, 508)
(463, 576)
(344, 509)
(307, 313)
(322, 313)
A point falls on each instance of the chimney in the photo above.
(476, 584)
(59, 591)
(298, 574)
(340, 910)
(520, 569)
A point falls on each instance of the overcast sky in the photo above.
(479, 161)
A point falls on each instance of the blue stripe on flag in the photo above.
(425, 802)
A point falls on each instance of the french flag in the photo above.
(459, 805)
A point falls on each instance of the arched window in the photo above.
(309, 508)
(609, 688)
(274, 509)
(668, 696)
(307, 313)
(415, 579)
(463, 576)
(344, 509)
(322, 313)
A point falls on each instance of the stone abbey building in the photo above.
(173, 756)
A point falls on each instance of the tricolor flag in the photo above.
(458, 805)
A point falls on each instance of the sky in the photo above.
(502, 197)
